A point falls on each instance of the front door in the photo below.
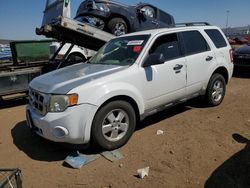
(166, 82)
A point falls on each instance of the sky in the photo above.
(19, 18)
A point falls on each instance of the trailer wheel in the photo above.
(118, 26)
(76, 57)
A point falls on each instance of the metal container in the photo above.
(10, 178)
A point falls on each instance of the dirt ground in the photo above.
(200, 147)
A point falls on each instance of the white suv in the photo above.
(129, 78)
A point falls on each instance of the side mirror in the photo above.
(154, 59)
(141, 14)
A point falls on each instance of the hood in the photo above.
(244, 49)
(63, 80)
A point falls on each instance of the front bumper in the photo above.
(71, 126)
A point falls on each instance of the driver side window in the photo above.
(168, 46)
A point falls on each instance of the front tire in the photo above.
(118, 27)
(113, 125)
(216, 90)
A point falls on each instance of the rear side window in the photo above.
(166, 18)
(167, 45)
(194, 42)
(216, 37)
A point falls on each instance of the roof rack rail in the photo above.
(191, 24)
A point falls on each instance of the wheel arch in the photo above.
(223, 71)
(125, 98)
(77, 53)
(116, 15)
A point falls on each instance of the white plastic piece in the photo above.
(159, 132)
(143, 172)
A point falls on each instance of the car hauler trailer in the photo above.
(57, 24)
(28, 59)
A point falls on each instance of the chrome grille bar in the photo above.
(37, 101)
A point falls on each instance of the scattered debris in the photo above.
(77, 160)
(143, 172)
(112, 155)
(159, 132)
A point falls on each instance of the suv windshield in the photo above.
(121, 51)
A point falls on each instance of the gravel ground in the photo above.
(200, 147)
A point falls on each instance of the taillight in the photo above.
(231, 55)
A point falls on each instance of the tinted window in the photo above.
(168, 46)
(216, 37)
(120, 51)
(194, 42)
(166, 18)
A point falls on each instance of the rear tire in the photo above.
(113, 125)
(117, 26)
(216, 90)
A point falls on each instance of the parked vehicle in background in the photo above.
(5, 53)
(242, 56)
(129, 78)
(232, 41)
(241, 40)
(120, 19)
(248, 38)
(77, 53)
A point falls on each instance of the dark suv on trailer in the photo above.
(120, 19)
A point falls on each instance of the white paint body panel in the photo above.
(149, 87)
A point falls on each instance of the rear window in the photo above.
(165, 18)
(194, 43)
(216, 37)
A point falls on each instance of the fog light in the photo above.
(60, 132)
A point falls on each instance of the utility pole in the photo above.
(227, 22)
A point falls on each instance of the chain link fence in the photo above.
(10, 178)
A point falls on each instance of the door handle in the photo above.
(209, 58)
(178, 67)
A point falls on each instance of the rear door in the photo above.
(199, 60)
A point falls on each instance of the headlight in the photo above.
(101, 6)
(59, 103)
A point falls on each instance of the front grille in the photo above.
(37, 101)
